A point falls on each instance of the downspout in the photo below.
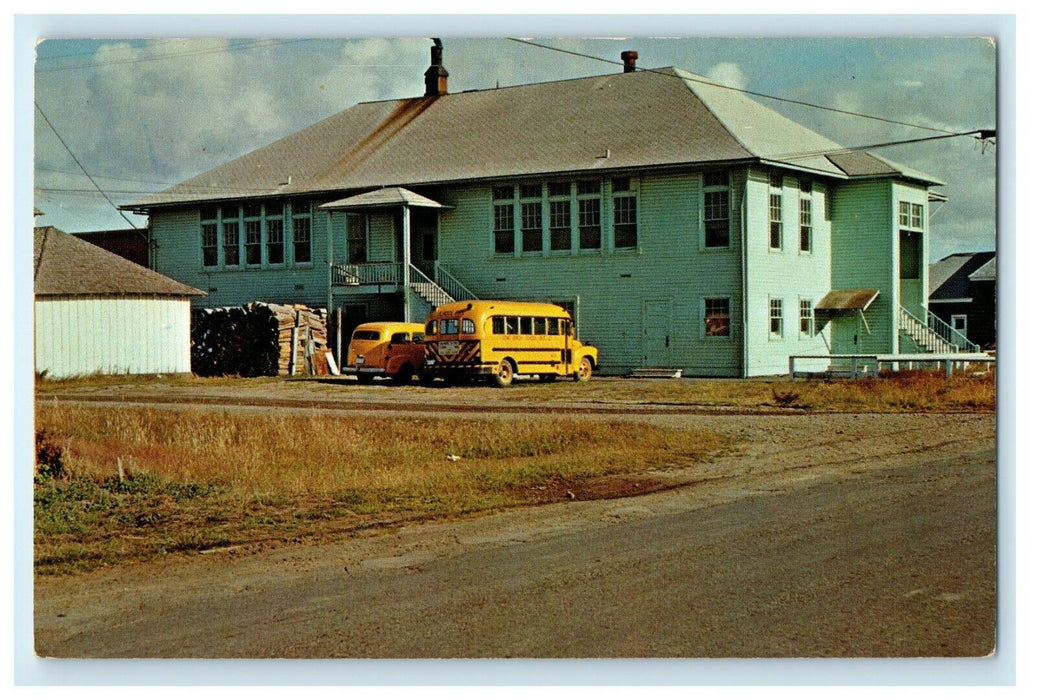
(406, 263)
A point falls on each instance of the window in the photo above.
(806, 225)
(275, 233)
(717, 318)
(539, 326)
(775, 221)
(467, 326)
(776, 320)
(253, 242)
(301, 232)
(231, 239)
(960, 323)
(806, 317)
(911, 216)
(532, 226)
(448, 326)
(624, 213)
(210, 245)
(588, 198)
(560, 212)
(716, 210)
(503, 221)
(356, 238)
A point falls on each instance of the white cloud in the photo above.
(729, 74)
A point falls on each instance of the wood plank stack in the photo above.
(258, 340)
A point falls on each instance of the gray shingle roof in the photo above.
(663, 117)
(949, 277)
(64, 265)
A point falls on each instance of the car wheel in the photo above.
(404, 375)
(504, 374)
(584, 370)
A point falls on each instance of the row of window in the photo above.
(806, 217)
(254, 234)
(563, 216)
(717, 317)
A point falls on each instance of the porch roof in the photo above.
(384, 198)
(847, 300)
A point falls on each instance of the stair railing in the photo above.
(452, 285)
(949, 333)
(436, 295)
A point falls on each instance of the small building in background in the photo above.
(129, 243)
(962, 294)
(98, 313)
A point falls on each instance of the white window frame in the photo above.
(808, 306)
(806, 219)
(631, 194)
(299, 214)
(964, 318)
(711, 190)
(775, 303)
(775, 193)
(704, 312)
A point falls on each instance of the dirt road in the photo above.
(821, 535)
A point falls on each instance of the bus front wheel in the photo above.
(583, 370)
(504, 374)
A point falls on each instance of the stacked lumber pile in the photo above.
(258, 340)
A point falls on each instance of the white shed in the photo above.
(98, 313)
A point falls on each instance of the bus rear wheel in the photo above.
(584, 370)
(504, 374)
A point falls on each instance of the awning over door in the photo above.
(847, 300)
(384, 198)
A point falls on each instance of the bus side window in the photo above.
(431, 328)
(498, 325)
(552, 326)
(526, 325)
(566, 327)
(511, 325)
(539, 326)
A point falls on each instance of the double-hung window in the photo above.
(806, 317)
(624, 213)
(775, 211)
(275, 233)
(911, 219)
(776, 318)
(806, 220)
(356, 238)
(716, 209)
(559, 204)
(717, 317)
(504, 220)
(210, 237)
(231, 236)
(301, 247)
(253, 216)
(588, 201)
(532, 208)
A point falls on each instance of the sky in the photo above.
(141, 115)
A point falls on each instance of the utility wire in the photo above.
(851, 149)
(92, 181)
(734, 89)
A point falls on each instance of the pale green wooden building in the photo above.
(685, 225)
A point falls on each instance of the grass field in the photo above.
(134, 483)
(138, 482)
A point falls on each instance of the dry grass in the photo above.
(193, 480)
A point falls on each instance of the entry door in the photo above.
(656, 333)
(424, 225)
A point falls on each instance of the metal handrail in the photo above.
(452, 285)
(949, 333)
(436, 295)
(932, 331)
(367, 273)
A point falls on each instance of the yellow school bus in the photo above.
(499, 339)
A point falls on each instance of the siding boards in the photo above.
(612, 286)
(178, 255)
(89, 335)
(788, 274)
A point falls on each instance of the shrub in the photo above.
(50, 460)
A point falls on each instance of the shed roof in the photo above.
(847, 300)
(664, 117)
(986, 273)
(64, 265)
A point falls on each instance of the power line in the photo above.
(693, 79)
(852, 149)
(92, 181)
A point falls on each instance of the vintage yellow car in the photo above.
(386, 349)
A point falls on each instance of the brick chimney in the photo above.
(436, 75)
(629, 61)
